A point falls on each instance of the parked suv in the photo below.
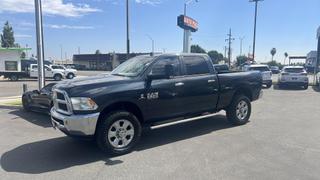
(265, 70)
(294, 75)
(151, 92)
(69, 72)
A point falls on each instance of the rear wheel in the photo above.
(14, 77)
(239, 111)
(118, 132)
(57, 77)
(25, 103)
(305, 86)
(269, 85)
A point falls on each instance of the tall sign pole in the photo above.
(40, 49)
(128, 29)
(186, 32)
(318, 51)
(255, 28)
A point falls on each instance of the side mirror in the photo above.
(168, 72)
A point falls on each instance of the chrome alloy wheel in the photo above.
(242, 110)
(120, 133)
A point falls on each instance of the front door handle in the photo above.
(179, 84)
(211, 80)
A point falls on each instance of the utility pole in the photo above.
(225, 51)
(78, 49)
(255, 27)
(128, 29)
(229, 40)
(40, 48)
(318, 51)
(241, 41)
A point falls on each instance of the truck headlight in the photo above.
(83, 104)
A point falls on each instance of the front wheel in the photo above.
(305, 86)
(25, 103)
(118, 132)
(70, 76)
(239, 111)
(57, 77)
(14, 78)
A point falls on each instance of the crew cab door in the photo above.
(200, 85)
(161, 97)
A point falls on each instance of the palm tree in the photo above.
(273, 52)
(285, 57)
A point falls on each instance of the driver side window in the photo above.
(159, 67)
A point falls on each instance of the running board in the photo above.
(158, 126)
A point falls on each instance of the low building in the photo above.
(103, 62)
(10, 59)
(311, 61)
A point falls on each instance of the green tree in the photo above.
(273, 52)
(197, 49)
(241, 60)
(97, 51)
(7, 36)
(285, 57)
(215, 56)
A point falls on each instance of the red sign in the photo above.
(187, 23)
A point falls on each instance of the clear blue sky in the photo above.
(288, 25)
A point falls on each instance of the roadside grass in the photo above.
(14, 102)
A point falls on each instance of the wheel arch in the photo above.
(244, 91)
(123, 105)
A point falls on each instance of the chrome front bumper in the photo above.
(82, 125)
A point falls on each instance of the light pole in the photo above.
(40, 48)
(152, 41)
(187, 33)
(241, 41)
(255, 27)
(128, 28)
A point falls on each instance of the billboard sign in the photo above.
(187, 23)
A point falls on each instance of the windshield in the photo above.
(261, 69)
(133, 67)
(294, 70)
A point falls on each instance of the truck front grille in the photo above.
(62, 102)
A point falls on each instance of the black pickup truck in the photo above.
(151, 92)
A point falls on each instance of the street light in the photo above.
(241, 41)
(186, 33)
(255, 27)
(152, 41)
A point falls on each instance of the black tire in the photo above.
(232, 113)
(306, 86)
(105, 126)
(25, 103)
(57, 77)
(269, 85)
(14, 77)
(70, 76)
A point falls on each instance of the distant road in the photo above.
(9, 88)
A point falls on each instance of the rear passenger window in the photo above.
(195, 65)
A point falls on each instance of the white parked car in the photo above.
(56, 74)
(265, 71)
(69, 73)
(294, 75)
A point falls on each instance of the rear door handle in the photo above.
(179, 84)
(211, 81)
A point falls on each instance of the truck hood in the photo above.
(90, 85)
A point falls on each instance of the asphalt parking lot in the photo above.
(280, 142)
